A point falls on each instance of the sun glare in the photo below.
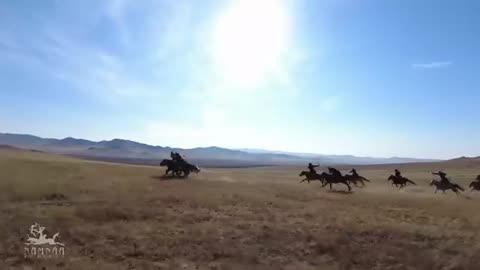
(249, 39)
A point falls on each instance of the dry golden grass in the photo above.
(125, 217)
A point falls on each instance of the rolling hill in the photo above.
(126, 151)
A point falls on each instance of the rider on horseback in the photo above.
(312, 167)
(398, 174)
(334, 172)
(176, 157)
(354, 173)
(443, 177)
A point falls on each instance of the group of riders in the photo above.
(397, 179)
(333, 177)
(178, 166)
(333, 171)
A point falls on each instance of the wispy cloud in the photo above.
(111, 67)
(432, 65)
(150, 56)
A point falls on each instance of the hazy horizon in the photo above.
(243, 149)
(371, 78)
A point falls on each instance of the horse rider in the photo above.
(398, 174)
(176, 157)
(443, 177)
(354, 173)
(312, 167)
(335, 172)
(478, 178)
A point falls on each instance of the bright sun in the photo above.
(249, 40)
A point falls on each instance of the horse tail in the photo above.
(364, 178)
(459, 187)
(411, 182)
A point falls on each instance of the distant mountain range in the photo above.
(119, 150)
(343, 159)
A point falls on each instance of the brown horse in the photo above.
(355, 179)
(446, 186)
(400, 182)
(333, 179)
(309, 176)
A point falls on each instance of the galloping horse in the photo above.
(332, 179)
(400, 182)
(309, 176)
(475, 185)
(176, 168)
(171, 166)
(188, 168)
(354, 179)
(446, 186)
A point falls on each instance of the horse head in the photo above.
(164, 162)
(391, 177)
(434, 182)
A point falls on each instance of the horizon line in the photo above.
(242, 149)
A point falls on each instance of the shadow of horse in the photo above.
(168, 177)
(343, 192)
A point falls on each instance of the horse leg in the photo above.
(330, 186)
(349, 188)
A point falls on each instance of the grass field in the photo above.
(127, 217)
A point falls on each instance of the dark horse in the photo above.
(400, 182)
(187, 168)
(446, 186)
(333, 179)
(171, 167)
(309, 176)
(354, 179)
(175, 168)
(475, 185)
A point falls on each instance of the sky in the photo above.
(369, 78)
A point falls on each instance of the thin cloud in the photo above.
(433, 65)
(89, 66)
